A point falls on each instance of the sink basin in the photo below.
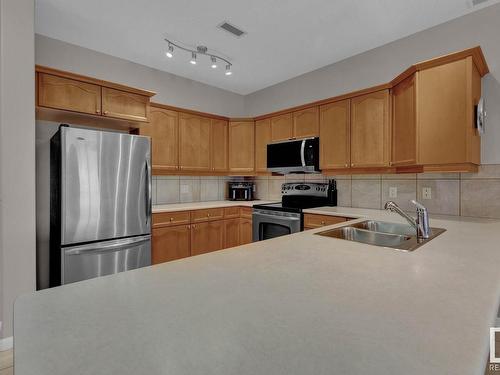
(384, 234)
(368, 236)
(386, 227)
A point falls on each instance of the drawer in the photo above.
(164, 219)
(246, 212)
(316, 221)
(231, 212)
(208, 214)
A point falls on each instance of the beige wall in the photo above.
(382, 64)
(170, 89)
(17, 155)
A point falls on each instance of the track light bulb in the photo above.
(170, 52)
(193, 58)
(228, 70)
(214, 62)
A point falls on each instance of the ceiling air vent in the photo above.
(232, 29)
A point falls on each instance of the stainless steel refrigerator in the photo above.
(100, 186)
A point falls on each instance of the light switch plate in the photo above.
(426, 193)
(393, 192)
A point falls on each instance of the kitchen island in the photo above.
(298, 304)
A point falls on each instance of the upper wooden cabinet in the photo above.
(306, 123)
(68, 94)
(262, 138)
(334, 131)
(194, 142)
(281, 127)
(404, 146)
(66, 91)
(241, 146)
(219, 145)
(124, 105)
(370, 130)
(434, 117)
(164, 132)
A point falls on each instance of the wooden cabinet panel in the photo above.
(162, 219)
(124, 105)
(68, 94)
(335, 128)
(306, 123)
(281, 127)
(207, 237)
(404, 142)
(370, 130)
(262, 138)
(246, 212)
(194, 142)
(442, 114)
(208, 214)
(231, 212)
(317, 221)
(245, 231)
(219, 145)
(164, 132)
(170, 243)
(231, 232)
(241, 146)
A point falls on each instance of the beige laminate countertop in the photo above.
(202, 205)
(297, 304)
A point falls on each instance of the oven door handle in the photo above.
(277, 217)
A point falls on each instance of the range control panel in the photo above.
(317, 189)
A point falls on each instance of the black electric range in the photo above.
(277, 219)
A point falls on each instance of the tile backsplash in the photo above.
(464, 194)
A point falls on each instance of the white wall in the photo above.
(382, 64)
(170, 89)
(17, 155)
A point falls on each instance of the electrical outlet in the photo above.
(393, 192)
(426, 193)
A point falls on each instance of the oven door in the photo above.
(271, 224)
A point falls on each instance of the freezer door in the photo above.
(105, 185)
(104, 258)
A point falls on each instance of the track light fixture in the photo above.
(200, 50)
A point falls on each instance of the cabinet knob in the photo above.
(322, 223)
(347, 165)
(105, 112)
(352, 165)
(208, 215)
(193, 226)
(171, 219)
(97, 111)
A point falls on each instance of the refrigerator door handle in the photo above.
(95, 248)
(148, 189)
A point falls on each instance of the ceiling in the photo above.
(284, 38)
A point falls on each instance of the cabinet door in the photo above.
(63, 93)
(194, 142)
(232, 233)
(163, 129)
(370, 130)
(281, 127)
(306, 123)
(262, 138)
(241, 146)
(404, 142)
(219, 145)
(170, 243)
(124, 105)
(207, 237)
(335, 139)
(245, 231)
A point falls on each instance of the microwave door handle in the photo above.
(246, 194)
(302, 153)
(234, 195)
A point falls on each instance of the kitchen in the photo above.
(249, 208)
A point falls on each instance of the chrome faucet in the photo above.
(421, 223)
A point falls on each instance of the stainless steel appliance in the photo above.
(100, 204)
(240, 191)
(279, 219)
(294, 156)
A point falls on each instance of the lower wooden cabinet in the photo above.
(170, 243)
(232, 233)
(245, 231)
(207, 237)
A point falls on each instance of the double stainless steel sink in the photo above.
(380, 233)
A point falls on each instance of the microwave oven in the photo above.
(294, 156)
